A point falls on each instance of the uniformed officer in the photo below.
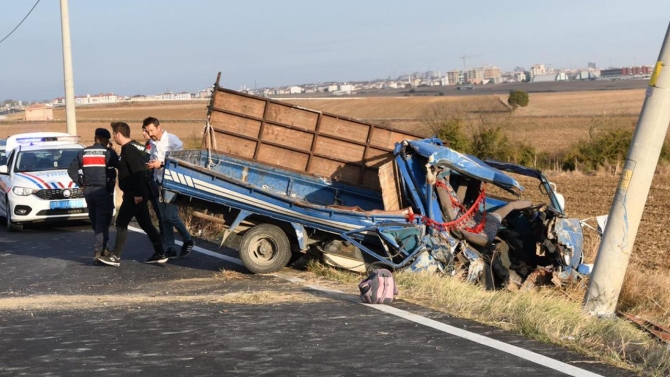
(94, 169)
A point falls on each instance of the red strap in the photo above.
(469, 213)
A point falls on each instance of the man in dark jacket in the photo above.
(94, 170)
(133, 181)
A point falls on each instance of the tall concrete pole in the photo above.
(631, 195)
(70, 116)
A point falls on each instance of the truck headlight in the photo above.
(24, 191)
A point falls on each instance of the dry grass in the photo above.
(84, 302)
(547, 315)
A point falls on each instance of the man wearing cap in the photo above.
(94, 169)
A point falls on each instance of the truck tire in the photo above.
(265, 249)
(11, 227)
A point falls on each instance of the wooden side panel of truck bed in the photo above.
(288, 136)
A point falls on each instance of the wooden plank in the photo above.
(270, 154)
(285, 136)
(239, 104)
(292, 116)
(336, 171)
(235, 145)
(235, 124)
(339, 149)
(389, 187)
(344, 128)
(386, 138)
(377, 157)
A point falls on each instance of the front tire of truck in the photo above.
(265, 249)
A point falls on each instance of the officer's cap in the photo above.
(102, 132)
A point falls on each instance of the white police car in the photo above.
(34, 184)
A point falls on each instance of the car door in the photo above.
(5, 182)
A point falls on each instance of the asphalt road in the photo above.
(62, 316)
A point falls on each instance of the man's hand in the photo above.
(138, 199)
(154, 164)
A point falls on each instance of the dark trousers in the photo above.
(100, 203)
(157, 212)
(140, 211)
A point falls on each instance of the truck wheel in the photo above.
(11, 227)
(265, 249)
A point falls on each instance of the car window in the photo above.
(45, 159)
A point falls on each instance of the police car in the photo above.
(34, 184)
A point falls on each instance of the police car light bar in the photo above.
(46, 139)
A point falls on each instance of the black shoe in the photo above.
(156, 258)
(110, 260)
(186, 248)
(171, 254)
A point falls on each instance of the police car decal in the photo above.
(46, 180)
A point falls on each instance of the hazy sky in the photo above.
(133, 47)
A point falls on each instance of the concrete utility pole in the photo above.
(70, 116)
(626, 211)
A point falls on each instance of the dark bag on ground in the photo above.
(378, 288)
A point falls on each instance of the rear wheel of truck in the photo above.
(265, 249)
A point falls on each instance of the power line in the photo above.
(24, 18)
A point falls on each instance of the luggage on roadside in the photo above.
(378, 288)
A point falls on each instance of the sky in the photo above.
(131, 47)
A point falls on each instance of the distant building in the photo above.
(205, 93)
(584, 75)
(493, 74)
(520, 76)
(592, 65)
(611, 73)
(39, 112)
(346, 88)
(560, 76)
(474, 76)
(455, 77)
(537, 70)
(182, 95)
(295, 90)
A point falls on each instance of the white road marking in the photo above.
(533, 357)
(200, 250)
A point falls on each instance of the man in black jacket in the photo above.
(94, 170)
(133, 181)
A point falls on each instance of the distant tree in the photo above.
(412, 91)
(518, 98)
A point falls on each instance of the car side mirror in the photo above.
(3, 169)
(561, 201)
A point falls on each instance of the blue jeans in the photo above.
(170, 215)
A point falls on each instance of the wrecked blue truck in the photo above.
(283, 181)
(447, 221)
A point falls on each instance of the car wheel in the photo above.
(265, 249)
(11, 227)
